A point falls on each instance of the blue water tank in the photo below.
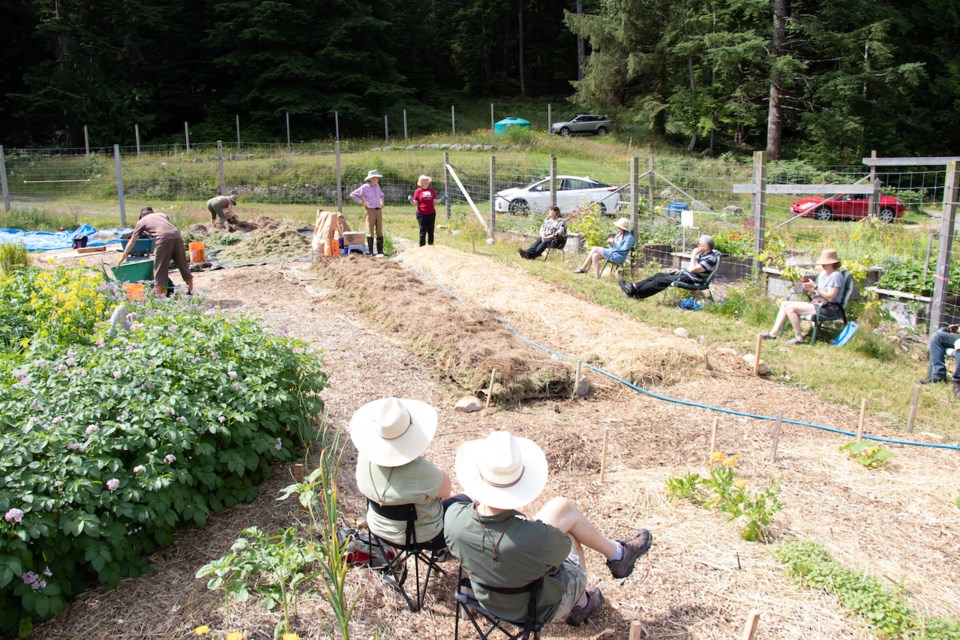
(675, 208)
(501, 127)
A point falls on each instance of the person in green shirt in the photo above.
(502, 550)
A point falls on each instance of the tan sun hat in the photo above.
(502, 471)
(373, 173)
(623, 223)
(828, 256)
(423, 178)
(391, 432)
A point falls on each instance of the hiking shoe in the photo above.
(632, 549)
(579, 615)
(626, 287)
(795, 341)
(523, 253)
(768, 336)
(933, 380)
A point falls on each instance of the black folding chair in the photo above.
(695, 288)
(486, 623)
(835, 314)
(395, 570)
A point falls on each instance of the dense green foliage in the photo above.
(849, 76)
(110, 443)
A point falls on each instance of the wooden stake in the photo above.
(750, 630)
(863, 414)
(776, 437)
(576, 380)
(636, 630)
(913, 408)
(493, 374)
(756, 365)
(603, 456)
(713, 439)
(298, 476)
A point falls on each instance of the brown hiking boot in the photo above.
(579, 615)
(632, 549)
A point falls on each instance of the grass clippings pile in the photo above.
(577, 328)
(234, 225)
(279, 241)
(466, 342)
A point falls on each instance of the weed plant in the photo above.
(869, 454)
(13, 256)
(887, 615)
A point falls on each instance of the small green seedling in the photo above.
(870, 455)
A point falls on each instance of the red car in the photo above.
(851, 206)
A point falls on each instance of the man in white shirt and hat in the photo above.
(370, 197)
(504, 552)
(391, 435)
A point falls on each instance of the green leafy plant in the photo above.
(594, 226)
(112, 444)
(869, 454)
(13, 256)
(734, 242)
(887, 615)
(689, 487)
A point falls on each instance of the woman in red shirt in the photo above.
(425, 198)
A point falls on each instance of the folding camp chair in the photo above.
(559, 246)
(486, 623)
(836, 314)
(394, 572)
(696, 289)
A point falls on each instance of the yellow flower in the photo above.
(202, 630)
(716, 456)
(290, 636)
(740, 484)
(235, 635)
(731, 461)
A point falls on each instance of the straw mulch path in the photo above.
(699, 581)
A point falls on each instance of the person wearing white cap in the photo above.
(425, 197)
(703, 261)
(391, 436)
(616, 253)
(822, 292)
(370, 197)
(503, 551)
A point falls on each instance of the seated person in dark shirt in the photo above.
(702, 263)
(553, 232)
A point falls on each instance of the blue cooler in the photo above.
(675, 208)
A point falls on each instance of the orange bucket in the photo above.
(196, 252)
(134, 291)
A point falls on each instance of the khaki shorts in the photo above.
(575, 578)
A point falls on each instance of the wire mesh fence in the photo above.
(896, 240)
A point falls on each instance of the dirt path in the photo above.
(699, 581)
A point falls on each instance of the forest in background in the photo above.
(824, 80)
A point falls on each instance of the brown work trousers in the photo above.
(374, 219)
(169, 248)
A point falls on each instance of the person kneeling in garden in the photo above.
(504, 552)
(553, 233)
(702, 263)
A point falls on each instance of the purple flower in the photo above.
(279, 445)
(14, 515)
(57, 420)
(182, 420)
(173, 328)
(19, 374)
(39, 584)
(139, 469)
(80, 372)
(71, 362)
(113, 484)
(47, 572)
(221, 419)
(101, 343)
(171, 411)
(147, 385)
(58, 483)
(116, 374)
(61, 368)
(25, 382)
(232, 375)
(92, 429)
(29, 577)
(170, 458)
(75, 446)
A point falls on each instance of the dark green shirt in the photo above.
(526, 550)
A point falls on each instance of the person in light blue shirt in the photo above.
(370, 197)
(823, 292)
(617, 252)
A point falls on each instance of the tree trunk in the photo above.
(775, 109)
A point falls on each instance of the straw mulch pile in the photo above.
(279, 241)
(699, 582)
(466, 342)
(234, 224)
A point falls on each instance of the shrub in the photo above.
(109, 446)
(13, 257)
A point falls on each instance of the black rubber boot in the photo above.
(379, 246)
(370, 245)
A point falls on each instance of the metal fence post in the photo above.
(759, 200)
(123, 207)
(186, 134)
(493, 203)
(86, 140)
(3, 182)
(386, 128)
(549, 118)
(404, 125)
(336, 125)
(453, 121)
(947, 228)
(651, 183)
(238, 131)
(136, 134)
(446, 183)
(339, 176)
(634, 193)
(553, 181)
(288, 131)
(875, 196)
(491, 119)
(223, 182)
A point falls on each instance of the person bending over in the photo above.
(503, 551)
(553, 232)
(702, 263)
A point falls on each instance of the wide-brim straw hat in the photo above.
(424, 178)
(623, 223)
(391, 432)
(501, 470)
(828, 256)
(373, 173)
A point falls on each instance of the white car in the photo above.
(572, 192)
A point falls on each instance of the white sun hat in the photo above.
(501, 470)
(391, 432)
(373, 173)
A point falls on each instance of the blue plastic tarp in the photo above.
(47, 240)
